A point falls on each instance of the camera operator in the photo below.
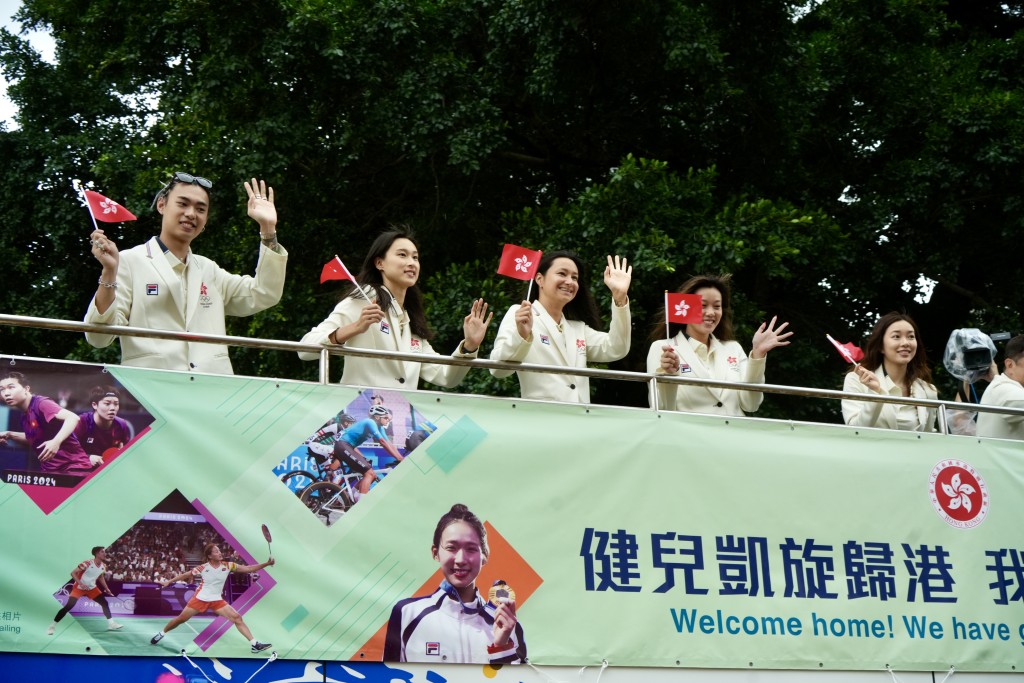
(1006, 390)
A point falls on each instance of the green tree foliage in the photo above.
(828, 154)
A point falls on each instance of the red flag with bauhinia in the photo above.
(851, 353)
(519, 262)
(335, 270)
(684, 309)
(107, 210)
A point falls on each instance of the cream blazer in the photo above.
(726, 361)
(886, 415)
(392, 334)
(574, 347)
(149, 294)
(1007, 393)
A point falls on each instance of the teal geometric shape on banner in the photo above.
(455, 444)
(293, 619)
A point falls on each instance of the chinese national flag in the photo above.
(848, 351)
(518, 262)
(335, 270)
(684, 309)
(107, 210)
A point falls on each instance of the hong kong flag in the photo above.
(518, 262)
(684, 309)
(106, 210)
(335, 270)
(851, 353)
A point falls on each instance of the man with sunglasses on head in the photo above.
(163, 285)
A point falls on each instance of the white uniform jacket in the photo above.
(1007, 393)
(889, 415)
(391, 334)
(149, 294)
(726, 361)
(436, 628)
(574, 347)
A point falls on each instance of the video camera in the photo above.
(970, 352)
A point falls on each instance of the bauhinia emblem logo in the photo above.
(523, 264)
(958, 493)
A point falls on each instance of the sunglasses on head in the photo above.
(190, 179)
(184, 178)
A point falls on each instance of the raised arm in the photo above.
(474, 326)
(250, 568)
(617, 277)
(768, 337)
(261, 209)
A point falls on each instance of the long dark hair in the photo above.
(370, 276)
(917, 368)
(461, 513)
(723, 283)
(582, 307)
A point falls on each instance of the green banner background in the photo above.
(542, 475)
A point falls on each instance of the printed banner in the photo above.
(442, 529)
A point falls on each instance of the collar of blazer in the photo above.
(917, 390)
(690, 357)
(548, 325)
(394, 307)
(395, 317)
(400, 333)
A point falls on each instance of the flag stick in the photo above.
(358, 286)
(841, 350)
(88, 206)
(668, 335)
(529, 288)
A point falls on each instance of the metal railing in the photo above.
(324, 354)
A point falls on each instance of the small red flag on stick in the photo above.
(106, 210)
(336, 270)
(848, 351)
(519, 263)
(682, 309)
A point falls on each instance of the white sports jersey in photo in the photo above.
(212, 580)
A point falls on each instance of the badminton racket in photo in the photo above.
(266, 535)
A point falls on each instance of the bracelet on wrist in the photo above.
(268, 238)
(108, 285)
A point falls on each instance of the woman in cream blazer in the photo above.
(708, 350)
(558, 328)
(386, 314)
(894, 365)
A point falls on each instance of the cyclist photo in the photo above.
(338, 464)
